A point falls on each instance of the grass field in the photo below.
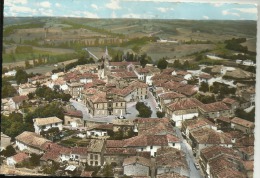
(66, 34)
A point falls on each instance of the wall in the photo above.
(137, 170)
(179, 118)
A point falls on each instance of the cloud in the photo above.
(247, 10)
(21, 9)
(164, 9)
(136, 16)
(45, 12)
(227, 12)
(45, 4)
(94, 6)
(90, 15)
(12, 3)
(114, 4)
(113, 15)
(58, 5)
(205, 17)
(217, 4)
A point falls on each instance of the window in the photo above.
(91, 156)
(96, 163)
(91, 163)
(151, 147)
(68, 122)
(96, 157)
(76, 157)
(121, 104)
(173, 144)
(56, 124)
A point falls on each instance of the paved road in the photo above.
(152, 104)
(186, 148)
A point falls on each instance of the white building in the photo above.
(10, 73)
(44, 124)
(248, 63)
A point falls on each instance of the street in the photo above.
(186, 148)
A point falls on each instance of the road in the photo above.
(152, 104)
(186, 148)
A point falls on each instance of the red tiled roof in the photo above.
(79, 150)
(249, 165)
(53, 151)
(75, 113)
(187, 90)
(120, 151)
(171, 95)
(205, 76)
(224, 119)
(19, 99)
(19, 157)
(115, 143)
(243, 122)
(216, 150)
(210, 136)
(146, 140)
(229, 101)
(137, 160)
(185, 104)
(86, 174)
(212, 107)
(151, 120)
(171, 158)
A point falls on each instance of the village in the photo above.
(126, 119)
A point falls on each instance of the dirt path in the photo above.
(9, 170)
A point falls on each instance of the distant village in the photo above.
(125, 120)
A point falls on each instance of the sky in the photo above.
(141, 9)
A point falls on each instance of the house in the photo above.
(129, 66)
(44, 124)
(151, 143)
(75, 88)
(10, 73)
(222, 123)
(216, 109)
(187, 90)
(204, 78)
(5, 141)
(183, 110)
(137, 166)
(96, 149)
(249, 168)
(247, 153)
(104, 104)
(248, 63)
(122, 124)
(232, 103)
(79, 155)
(205, 137)
(73, 118)
(31, 142)
(217, 159)
(147, 123)
(100, 130)
(195, 124)
(25, 89)
(169, 97)
(245, 126)
(249, 95)
(171, 160)
(17, 101)
(18, 158)
(117, 155)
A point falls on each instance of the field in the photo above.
(62, 38)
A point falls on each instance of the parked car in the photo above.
(197, 166)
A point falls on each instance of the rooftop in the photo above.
(213, 107)
(188, 103)
(19, 99)
(19, 157)
(242, 122)
(32, 139)
(137, 160)
(96, 145)
(46, 121)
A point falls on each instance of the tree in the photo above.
(160, 114)
(144, 111)
(108, 170)
(204, 87)
(21, 76)
(162, 64)
(7, 89)
(9, 151)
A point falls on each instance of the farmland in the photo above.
(61, 38)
